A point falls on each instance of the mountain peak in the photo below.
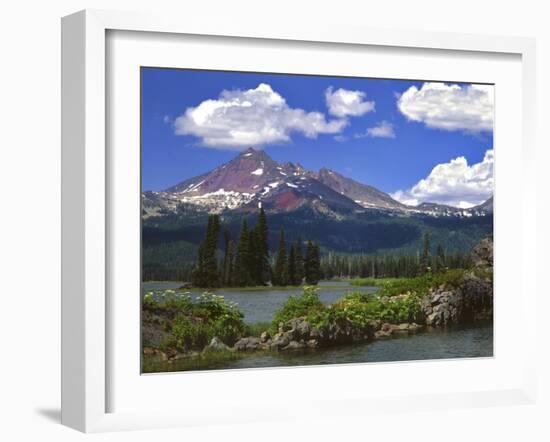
(252, 151)
(253, 177)
(324, 172)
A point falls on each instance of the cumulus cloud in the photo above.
(455, 183)
(450, 107)
(241, 118)
(384, 129)
(345, 103)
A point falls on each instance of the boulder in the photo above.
(482, 254)
(280, 340)
(312, 343)
(264, 337)
(216, 344)
(250, 343)
(294, 345)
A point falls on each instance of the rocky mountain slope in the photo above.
(253, 179)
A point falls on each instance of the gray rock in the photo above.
(294, 345)
(312, 343)
(264, 337)
(250, 343)
(216, 344)
(280, 340)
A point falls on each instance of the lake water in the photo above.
(260, 305)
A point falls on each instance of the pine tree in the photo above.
(312, 263)
(292, 276)
(212, 278)
(206, 270)
(229, 280)
(226, 256)
(198, 275)
(440, 260)
(300, 273)
(262, 232)
(425, 257)
(254, 254)
(241, 276)
(280, 270)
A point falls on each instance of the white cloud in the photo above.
(384, 129)
(253, 117)
(340, 138)
(345, 103)
(454, 183)
(449, 107)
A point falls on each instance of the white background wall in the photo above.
(30, 215)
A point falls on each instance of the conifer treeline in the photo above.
(392, 266)
(246, 259)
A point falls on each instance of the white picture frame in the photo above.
(85, 211)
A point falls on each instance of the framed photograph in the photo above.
(250, 212)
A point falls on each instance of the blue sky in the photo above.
(417, 141)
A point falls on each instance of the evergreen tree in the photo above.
(241, 275)
(312, 263)
(229, 280)
(211, 262)
(198, 275)
(425, 257)
(262, 233)
(292, 276)
(300, 273)
(226, 256)
(280, 270)
(206, 271)
(440, 259)
(254, 255)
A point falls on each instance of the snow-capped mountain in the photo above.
(253, 179)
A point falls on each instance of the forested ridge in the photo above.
(249, 257)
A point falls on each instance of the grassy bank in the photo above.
(419, 285)
(203, 361)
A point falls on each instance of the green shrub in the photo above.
(297, 306)
(369, 282)
(191, 325)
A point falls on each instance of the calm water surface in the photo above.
(260, 305)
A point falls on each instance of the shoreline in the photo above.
(200, 361)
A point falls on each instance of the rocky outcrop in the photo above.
(299, 334)
(468, 300)
(250, 343)
(482, 254)
(443, 306)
